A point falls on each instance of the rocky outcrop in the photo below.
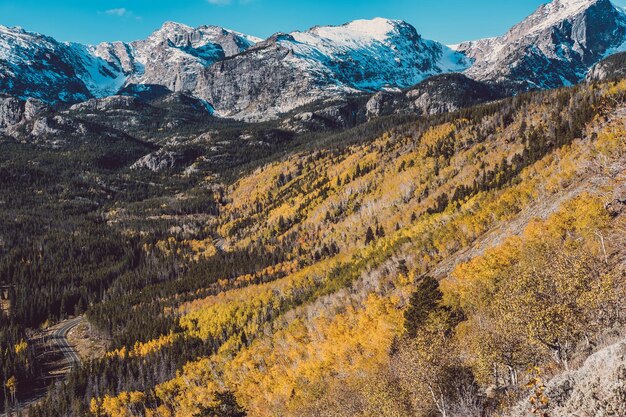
(154, 120)
(166, 159)
(13, 111)
(597, 388)
(612, 67)
(107, 103)
(384, 103)
(435, 95)
(449, 93)
(438, 94)
(327, 115)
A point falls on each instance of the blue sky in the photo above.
(92, 21)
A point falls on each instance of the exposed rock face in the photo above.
(384, 103)
(157, 161)
(553, 47)
(598, 388)
(108, 103)
(11, 111)
(330, 115)
(612, 67)
(435, 95)
(164, 159)
(176, 55)
(291, 70)
(448, 93)
(152, 118)
(261, 84)
(33, 108)
(438, 94)
(14, 111)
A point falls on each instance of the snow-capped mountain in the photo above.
(243, 77)
(290, 70)
(34, 65)
(553, 47)
(239, 75)
(371, 55)
(37, 66)
(175, 55)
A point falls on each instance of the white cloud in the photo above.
(227, 2)
(118, 12)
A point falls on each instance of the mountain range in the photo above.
(246, 78)
(349, 221)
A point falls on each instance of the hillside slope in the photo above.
(309, 278)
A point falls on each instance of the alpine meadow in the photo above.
(347, 221)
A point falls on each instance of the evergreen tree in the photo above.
(424, 300)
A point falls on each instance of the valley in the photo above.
(345, 221)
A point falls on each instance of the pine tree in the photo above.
(423, 301)
(369, 236)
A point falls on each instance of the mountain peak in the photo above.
(377, 27)
(572, 3)
(553, 47)
(364, 29)
(170, 30)
(170, 25)
(554, 12)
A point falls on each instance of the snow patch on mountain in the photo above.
(101, 78)
(371, 55)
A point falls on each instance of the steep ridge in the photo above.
(553, 47)
(175, 55)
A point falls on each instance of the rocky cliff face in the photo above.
(13, 111)
(435, 95)
(175, 55)
(291, 70)
(553, 47)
